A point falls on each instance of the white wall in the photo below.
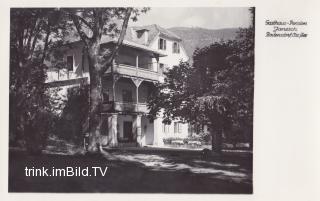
(160, 134)
(147, 129)
(172, 58)
(171, 133)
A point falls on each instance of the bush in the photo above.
(36, 132)
(184, 140)
(74, 114)
(205, 138)
(170, 139)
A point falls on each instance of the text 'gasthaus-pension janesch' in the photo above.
(286, 29)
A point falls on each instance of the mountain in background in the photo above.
(200, 37)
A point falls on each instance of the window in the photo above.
(162, 44)
(177, 127)
(70, 63)
(175, 48)
(127, 95)
(163, 67)
(165, 128)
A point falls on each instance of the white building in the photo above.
(146, 52)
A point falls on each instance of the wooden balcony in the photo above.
(126, 107)
(62, 77)
(148, 71)
(55, 75)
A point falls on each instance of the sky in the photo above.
(210, 18)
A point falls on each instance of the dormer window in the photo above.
(162, 44)
(143, 35)
(175, 48)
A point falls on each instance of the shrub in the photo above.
(170, 139)
(36, 132)
(74, 114)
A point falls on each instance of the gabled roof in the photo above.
(153, 31)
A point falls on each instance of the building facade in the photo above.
(146, 53)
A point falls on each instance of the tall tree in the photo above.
(198, 93)
(91, 24)
(216, 90)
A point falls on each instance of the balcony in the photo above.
(148, 71)
(126, 107)
(65, 76)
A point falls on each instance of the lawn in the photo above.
(141, 170)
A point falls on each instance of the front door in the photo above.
(127, 130)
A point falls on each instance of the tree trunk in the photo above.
(96, 70)
(95, 100)
(216, 140)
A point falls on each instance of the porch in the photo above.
(127, 130)
(126, 94)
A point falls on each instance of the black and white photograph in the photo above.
(131, 100)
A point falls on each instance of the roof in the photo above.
(136, 45)
(130, 40)
(154, 30)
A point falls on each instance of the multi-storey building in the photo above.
(146, 52)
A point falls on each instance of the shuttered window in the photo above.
(175, 48)
(162, 44)
(177, 127)
(165, 128)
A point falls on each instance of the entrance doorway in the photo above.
(127, 131)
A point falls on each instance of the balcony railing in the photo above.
(126, 107)
(154, 66)
(148, 71)
(54, 75)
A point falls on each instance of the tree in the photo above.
(198, 93)
(91, 24)
(242, 73)
(216, 90)
(32, 33)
